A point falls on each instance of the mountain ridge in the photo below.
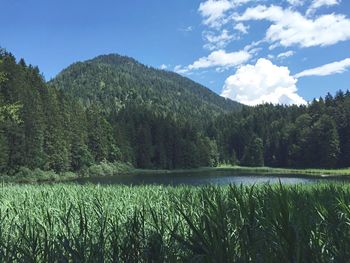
(114, 80)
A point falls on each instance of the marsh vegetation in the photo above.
(265, 223)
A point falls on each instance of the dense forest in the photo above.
(52, 130)
(316, 135)
(115, 109)
(111, 82)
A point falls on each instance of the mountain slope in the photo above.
(114, 81)
(43, 128)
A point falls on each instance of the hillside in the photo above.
(114, 81)
(43, 128)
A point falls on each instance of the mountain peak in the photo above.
(113, 81)
(114, 59)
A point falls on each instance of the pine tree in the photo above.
(144, 146)
(325, 142)
(253, 154)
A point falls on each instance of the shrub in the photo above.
(107, 169)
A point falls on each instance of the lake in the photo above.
(199, 178)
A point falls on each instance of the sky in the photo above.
(252, 51)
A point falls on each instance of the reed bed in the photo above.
(266, 223)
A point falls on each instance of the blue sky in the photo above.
(253, 51)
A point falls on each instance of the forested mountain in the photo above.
(51, 130)
(149, 118)
(112, 81)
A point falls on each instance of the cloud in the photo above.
(186, 29)
(325, 70)
(217, 41)
(316, 4)
(163, 66)
(292, 28)
(220, 58)
(241, 28)
(180, 69)
(319, 3)
(214, 11)
(286, 54)
(263, 82)
(296, 2)
(252, 45)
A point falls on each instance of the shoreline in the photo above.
(322, 173)
(306, 173)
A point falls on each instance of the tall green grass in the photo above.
(71, 223)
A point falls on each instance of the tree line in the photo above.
(48, 128)
(316, 135)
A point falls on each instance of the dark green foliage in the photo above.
(266, 223)
(43, 127)
(114, 109)
(4, 148)
(316, 135)
(324, 142)
(253, 153)
(113, 81)
(41, 136)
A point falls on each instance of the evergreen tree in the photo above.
(144, 146)
(325, 142)
(253, 153)
(56, 145)
(302, 134)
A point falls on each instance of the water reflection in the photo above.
(199, 178)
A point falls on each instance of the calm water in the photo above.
(199, 178)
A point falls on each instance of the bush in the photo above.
(28, 175)
(68, 175)
(107, 169)
(24, 172)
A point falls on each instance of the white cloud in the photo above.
(163, 66)
(214, 11)
(263, 82)
(292, 28)
(286, 54)
(325, 70)
(252, 45)
(319, 3)
(217, 41)
(241, 28)
(186, 29)
(220, 58)
(180, 70)
(296, 2)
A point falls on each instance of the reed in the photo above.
(266, 223)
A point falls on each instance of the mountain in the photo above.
(112, 81)
(123, 117)
(42, 127)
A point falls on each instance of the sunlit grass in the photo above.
(71, 223)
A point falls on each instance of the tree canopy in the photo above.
(114, 109)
